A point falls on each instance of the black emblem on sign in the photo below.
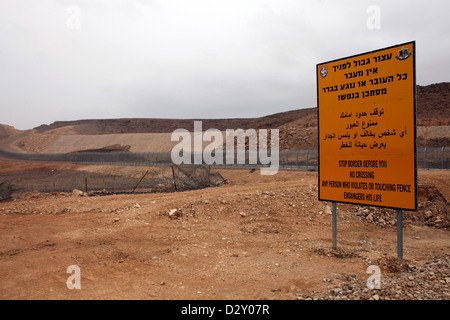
(403, 54)
(324, 71)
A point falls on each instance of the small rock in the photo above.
(174, 213)
(77, 193)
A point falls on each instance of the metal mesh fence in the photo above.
(433, 158)
(155, 171)
(427, 158)
(289, 158)
(110, 179)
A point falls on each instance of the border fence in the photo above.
(287, 159)
(427, 158)
(127, 172)
(110, 180)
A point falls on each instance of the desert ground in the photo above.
(256, 237)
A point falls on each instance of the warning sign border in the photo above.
(413, 43)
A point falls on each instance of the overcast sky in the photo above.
(91, 59)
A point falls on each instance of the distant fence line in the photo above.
(427, 158)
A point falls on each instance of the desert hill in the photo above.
(145, 125)
(7, 131)
(433, 102)
(298, 129)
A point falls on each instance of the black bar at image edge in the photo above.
(223, 309)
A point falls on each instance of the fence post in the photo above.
(209, 176)
(425, 158)
(140, 181)
(307, 158)
(174, 183)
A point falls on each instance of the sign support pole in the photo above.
(400, 234)
(334, 223)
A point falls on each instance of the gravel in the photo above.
(399, 281)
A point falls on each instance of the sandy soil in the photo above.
(258, 237)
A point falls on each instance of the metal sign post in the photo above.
(334, 222)
(400, 234)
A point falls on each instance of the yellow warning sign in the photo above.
(367, 128)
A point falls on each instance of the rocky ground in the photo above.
(399, 281)
(257, 237)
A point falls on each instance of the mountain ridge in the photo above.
(298, 128)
